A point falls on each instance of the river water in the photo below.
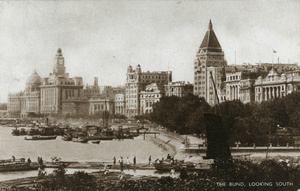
(71, 151)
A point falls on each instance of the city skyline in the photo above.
(100, 39)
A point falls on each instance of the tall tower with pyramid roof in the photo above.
(209, 63)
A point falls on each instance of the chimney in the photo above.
(96, 81)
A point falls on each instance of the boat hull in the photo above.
(40, 138)
(100, 137)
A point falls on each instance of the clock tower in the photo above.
(59, 64)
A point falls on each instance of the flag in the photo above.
(274, 51)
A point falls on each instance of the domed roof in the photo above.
(34, 80)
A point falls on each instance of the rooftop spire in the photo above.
(210, 26)
(210, 41)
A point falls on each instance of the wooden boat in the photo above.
(22, 132)
(95, 142)
(36, 138)
(163, 166)
(67, 138)
(80, 140)
(33, 131)
(15, 132)
(17, 165)
(101, 137)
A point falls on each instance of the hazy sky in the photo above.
(101, 38)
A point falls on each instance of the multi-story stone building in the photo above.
(246, 91)
(275, 86)
(101, 104)
(233, 85)
(209, 64)
(28, 101)
(59, 91)
(179, 88)
(120, 103)
(137, 81)
(148, 97)
(60, 94)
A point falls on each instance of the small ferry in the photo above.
(36, 138)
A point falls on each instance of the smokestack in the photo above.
(96, 81)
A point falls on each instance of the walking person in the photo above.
(114, 160)
(134, 161)
(29, 161)
(149, 160)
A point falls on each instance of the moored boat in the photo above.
(163, 166)
(101, 137)
(80, 140)
(15, 132)
(95, 142)
(22, 132)
(36, 138)
(66, 138)
(16, 165)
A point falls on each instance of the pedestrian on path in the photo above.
(149, 160)
(134, 161)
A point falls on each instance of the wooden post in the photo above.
(144, 135)
(154, 135)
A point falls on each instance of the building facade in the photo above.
(101, 104)
(137, 81)
(120, 103)
(209, 68)
(246, 90)
(179, 89)
(148, 97)
(275, 86)
(59, 89)
(27, 101)
(233, 85)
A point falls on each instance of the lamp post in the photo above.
(268, 142)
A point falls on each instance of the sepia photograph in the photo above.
(162, 95)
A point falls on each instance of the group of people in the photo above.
(169, 159)
(121, 161)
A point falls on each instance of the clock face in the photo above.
(60, 61)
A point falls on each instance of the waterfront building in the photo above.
(233, 85)
(101, 104)
(275, 86)
(27, 101)
(209, 63)
(137, 81)
(246, 90)
(148, 97)
(179, 88)
(120, 103)
(59, 92)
